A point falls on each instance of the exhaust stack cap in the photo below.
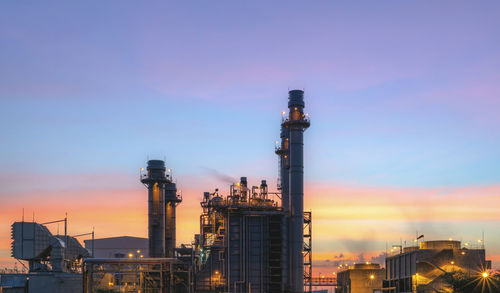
(156, 165)
(296, 98)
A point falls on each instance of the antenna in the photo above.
(483, 239)
(23, 215)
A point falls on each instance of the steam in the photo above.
(220, 176)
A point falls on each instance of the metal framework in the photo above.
(148, 275)
(307, 252)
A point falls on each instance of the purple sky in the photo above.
(402, 94)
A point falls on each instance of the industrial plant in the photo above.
(251, 239)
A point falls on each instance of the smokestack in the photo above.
(296, 123)
(171, 201)
(162, 200)
(155, 180)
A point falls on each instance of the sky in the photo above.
(403, 98)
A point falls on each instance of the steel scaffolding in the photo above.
(307, 251)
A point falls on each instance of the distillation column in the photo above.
(296, 123)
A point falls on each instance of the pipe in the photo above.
(284, 175)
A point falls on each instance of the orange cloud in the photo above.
(347, 219)
(409, 204)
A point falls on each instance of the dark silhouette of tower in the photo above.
(162, 200)
(293, 158)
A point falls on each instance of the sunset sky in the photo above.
(404, 98)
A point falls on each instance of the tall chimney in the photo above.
(155, 181)
(171, 201)
(296, 123)
(162, 200)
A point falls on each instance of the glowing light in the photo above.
(138, 251)
(141, 256)
(283, 113)
(130, 255)
(452, 262)
(372, 277)
(216, 272)
(485, 275)
(169, 170)
(463, 252)
(450, 239)
(142, 169)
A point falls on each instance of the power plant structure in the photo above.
(250, 240)
(162, 200)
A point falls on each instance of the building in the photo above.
(421, 268)
(360, 278)
(54, 261)
(250, 240)
(118, 247)
(240, 241)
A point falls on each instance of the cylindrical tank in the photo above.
(440, 244)
(296, 124)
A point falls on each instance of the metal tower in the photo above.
(296, 123)
(162, 200)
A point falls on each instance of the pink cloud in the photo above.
(354, 213)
